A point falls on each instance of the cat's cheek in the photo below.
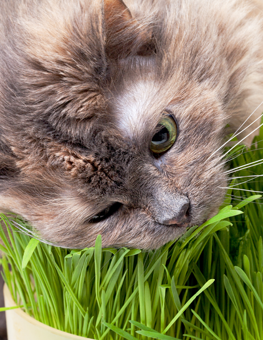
(8, 204)
(212, 213)
(137, 229)
(208, 205)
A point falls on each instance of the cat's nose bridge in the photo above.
(161, 199)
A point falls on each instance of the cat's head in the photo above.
(108, 118)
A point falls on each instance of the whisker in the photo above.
(257, 202)
(236, 134)
(232, 157)
(245, 166)
(237, 198)
(30, 233)
(23, 228)
(241, 198)
(238, 177)
(241, 153)
(236, 184)
(248, 190)
(242, 140)
(255, 143)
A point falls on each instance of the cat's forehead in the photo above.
(138, 104)
(139, 98)
(135, 106)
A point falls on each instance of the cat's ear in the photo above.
(125, 35)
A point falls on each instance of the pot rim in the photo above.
(11, 303)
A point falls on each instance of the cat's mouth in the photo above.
(180, 221)
(176, 225)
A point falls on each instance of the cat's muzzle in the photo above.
(171, 209)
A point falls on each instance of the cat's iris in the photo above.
(165, 136)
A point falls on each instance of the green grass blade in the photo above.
(30, 248)
(119, 331)
(205, 286)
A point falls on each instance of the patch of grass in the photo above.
(187, 287)
(206, 285)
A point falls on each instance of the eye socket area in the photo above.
(105, 213)
(165, 136)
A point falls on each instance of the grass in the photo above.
(207, 285)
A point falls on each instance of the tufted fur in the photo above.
(83, 84)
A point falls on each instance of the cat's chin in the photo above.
(151, 237)
(140, 232)
(211, 214)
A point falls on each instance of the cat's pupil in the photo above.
(102, 215)
(161, 137)
(165, 136)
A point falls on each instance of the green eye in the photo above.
(165, 136)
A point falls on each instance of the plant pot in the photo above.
(21, 326)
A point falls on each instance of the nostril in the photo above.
(184, 213)
(185, 210)
(188, 210)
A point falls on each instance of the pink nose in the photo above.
(181, 217)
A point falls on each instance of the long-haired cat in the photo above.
(112, 114)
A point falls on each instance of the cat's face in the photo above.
(79, 124)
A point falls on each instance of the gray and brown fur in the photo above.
(83, 84)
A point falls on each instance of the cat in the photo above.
(112, 114)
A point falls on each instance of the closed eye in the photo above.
(106, 213)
